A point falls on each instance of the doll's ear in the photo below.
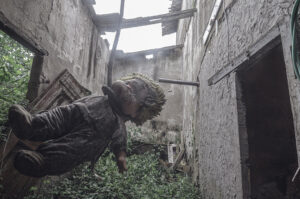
(149, 102)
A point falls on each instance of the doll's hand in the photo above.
(121, 162)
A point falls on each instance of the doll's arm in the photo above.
(119, 145)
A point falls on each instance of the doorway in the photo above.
(268, 148)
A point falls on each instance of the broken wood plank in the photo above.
(111, 24)
(178, 160)
(158, 18)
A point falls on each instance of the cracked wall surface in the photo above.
(210, 120)
(65, 30)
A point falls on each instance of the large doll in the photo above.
(81, 131)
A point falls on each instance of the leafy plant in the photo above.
(15, 65)
(145, 179)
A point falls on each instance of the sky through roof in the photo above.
(138, 38)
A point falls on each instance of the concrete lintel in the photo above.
(246, 59)
(14, 31)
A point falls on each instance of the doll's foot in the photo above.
(20, 121)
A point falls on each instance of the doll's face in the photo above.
(131, 93)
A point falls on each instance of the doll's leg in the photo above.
(57, 156)
(20, 121)
(47, 125)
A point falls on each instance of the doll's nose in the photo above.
(128, 87)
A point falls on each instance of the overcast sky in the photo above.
(139, 38)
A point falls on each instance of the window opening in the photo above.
(15, 67)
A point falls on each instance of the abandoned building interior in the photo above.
(233, 96)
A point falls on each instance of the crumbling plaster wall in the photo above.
(165, 128)
(210, 120)
(65, 30)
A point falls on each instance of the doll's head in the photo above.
(139, 97)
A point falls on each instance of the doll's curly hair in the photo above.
(154, 101)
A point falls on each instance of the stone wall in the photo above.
(210, 117)
(165, 128)
(65, 30)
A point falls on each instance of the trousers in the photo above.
(67, 142)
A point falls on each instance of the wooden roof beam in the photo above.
(109, 22)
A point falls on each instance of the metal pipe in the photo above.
(162, 80)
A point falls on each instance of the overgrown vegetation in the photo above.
(145, 179)
(15, 65)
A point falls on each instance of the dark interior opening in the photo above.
(272, 155)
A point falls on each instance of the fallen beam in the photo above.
(162, 80)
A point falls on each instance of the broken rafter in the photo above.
(105, 23)
(121, 55)
(169, 27)
(115, 44)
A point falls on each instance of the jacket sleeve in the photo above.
(119, 139)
